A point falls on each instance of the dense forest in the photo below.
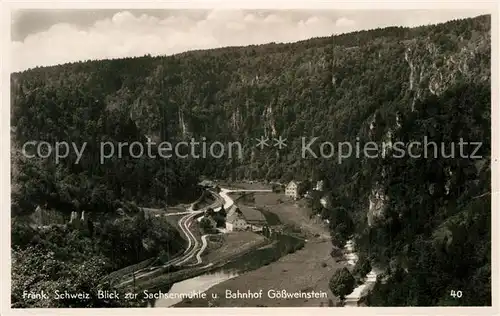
(430, 227)
(66, 259)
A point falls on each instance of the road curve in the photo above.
(189, 253)
(204, 245)
(191, 249)
(192, 241)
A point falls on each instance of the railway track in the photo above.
(193, 249)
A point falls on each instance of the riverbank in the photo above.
(307, 269)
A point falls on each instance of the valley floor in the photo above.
(308, 269)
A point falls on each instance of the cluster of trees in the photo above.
(59, 257)
(71, 274)
(219, 218)
(436, 78)
(342, 283)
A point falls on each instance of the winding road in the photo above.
(193, 249)
(184, 224)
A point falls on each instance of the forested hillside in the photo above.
(430, 226)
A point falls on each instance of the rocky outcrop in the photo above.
(326, 201)
(377, 204)
(46, 217)
(269, 122)
(79, 220)
(435, 64)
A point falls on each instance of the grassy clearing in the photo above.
(245, 185)
(294, 214)
(229, 245)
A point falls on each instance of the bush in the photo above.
(362, 268)
(342, 283)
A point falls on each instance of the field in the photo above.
(244, 185)
(291, 213)
(226, 246)
(307, 269)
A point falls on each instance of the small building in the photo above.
(319, 185)
(235, 220)
(79, 220)
(207, 184)
(294, 189)
(253, 217)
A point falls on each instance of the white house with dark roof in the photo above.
(294, 189)
(235, 221)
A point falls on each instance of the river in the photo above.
(283, 245)
(200, 283)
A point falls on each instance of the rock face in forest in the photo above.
(79, 220)
(378, 203)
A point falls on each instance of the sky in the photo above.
(51, 37)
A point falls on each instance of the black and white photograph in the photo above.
(236, 157)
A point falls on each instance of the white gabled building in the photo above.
(235, 220)
(294, 189)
